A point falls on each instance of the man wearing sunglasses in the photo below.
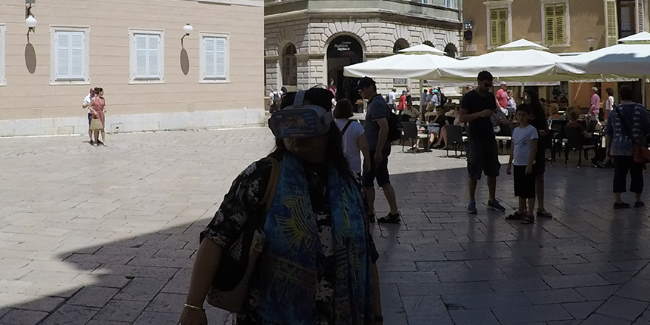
(477, 108)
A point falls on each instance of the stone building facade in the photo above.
(133, 49)
(308, 43)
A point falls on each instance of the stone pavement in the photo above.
(105, 235)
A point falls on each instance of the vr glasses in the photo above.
(300, 120)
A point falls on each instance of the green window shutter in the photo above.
(494, 23)
(549, 21)
(612, 22)
(560, 24)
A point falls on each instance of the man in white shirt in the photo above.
(392, 95)
(87, 105)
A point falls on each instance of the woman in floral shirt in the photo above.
(318, 264)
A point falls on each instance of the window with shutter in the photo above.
(498, 26)
(612, 22)
(214, 58)
(69, 55)
(555, 24)
(147, 60)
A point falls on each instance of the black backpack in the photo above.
(394, 127)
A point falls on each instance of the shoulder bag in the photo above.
(231, 282)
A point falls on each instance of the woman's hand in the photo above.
(193, 317)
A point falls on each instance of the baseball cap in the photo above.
(503, 83)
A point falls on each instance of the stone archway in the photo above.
(451, 50)
(400, 44)
(343, 50)
(289, 65)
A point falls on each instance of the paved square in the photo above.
(106, 235)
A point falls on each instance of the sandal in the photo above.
(390, 218)
(515, 216)
(621, 205)
(529, 219)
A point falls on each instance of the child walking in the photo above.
(522, 156)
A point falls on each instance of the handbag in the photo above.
(96, 124)
(640, 152)
(229, 289)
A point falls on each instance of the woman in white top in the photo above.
(352, 136)
(609, 103)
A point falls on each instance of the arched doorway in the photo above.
(400, 44)
(342, 51)
(289, 66)
(451, 50)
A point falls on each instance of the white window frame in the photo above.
(133, 77)
(202, 75)
(85, 80)
(567, 22)
(489, 5)
(3, 55)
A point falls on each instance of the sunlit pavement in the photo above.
(105, 235)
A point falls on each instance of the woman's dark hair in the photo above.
(626, 93)
(610, 91)
(319, 97)
(98, 90)
(535, 106)
(343, 109)
(335, 156)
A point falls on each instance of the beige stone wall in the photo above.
(30, 96)
(587, 19)
(312, 36)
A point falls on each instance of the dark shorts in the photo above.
(482, 157)
(524, 184)
(90, 118)
(379, 172)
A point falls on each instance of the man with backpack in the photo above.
(381, 127)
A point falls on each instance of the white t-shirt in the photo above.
(87, 102)
(391, 98)
(609, 103)
(350, 147)
(521, 140)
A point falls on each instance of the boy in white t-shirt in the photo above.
(352, 137)
(522, 156)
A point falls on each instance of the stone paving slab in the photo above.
(107, 235)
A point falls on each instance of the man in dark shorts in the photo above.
(376, 131)
(477, 108)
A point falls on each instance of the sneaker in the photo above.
(544, 214)
(390, 218)
(621, 205)
(471, 207)
(495, 205)
(639, 204)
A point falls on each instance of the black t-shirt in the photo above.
(473, 102)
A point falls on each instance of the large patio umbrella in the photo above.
(413, 62)
(521, 61)
(630, 58)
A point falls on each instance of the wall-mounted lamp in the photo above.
(30, 20)
(187, 29)
(590, 43)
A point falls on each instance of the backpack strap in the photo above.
(345, 128)
(271, 186)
